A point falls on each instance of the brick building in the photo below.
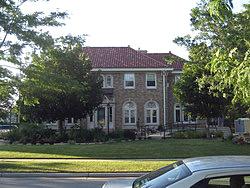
(137, 86)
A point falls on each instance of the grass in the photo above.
(77, 166)
(146, 149)
(143, 149)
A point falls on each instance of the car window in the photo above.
(163, 177)
(239, 181)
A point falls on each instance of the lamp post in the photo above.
(108, 108)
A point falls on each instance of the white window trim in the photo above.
(182, 114)
(129, 87)
(151, 87)
(123, 113)
(157, 113)
(106, 81)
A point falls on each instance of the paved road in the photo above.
(41, 182)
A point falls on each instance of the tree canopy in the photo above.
(19, 30)
(220, 52)
(59, 83)
(20, 33)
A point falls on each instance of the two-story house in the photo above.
(137, 87)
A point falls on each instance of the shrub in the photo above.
(99, 135)
(117, 134)
(12, 136)
(62, 137)
(80, 135)
(189, 134)
(129, 134)
(238, 140)
(217, 134)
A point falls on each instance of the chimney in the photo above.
(142, 51)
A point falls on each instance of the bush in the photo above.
(12, 136)
(81, 135)
(129, 134)
(117, 134)
(189, 134)
(99, 135)
(217, 134)
(29, 133)
(238, 140)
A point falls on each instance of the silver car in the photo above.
(200, 172)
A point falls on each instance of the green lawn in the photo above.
(146, 149)
(78, 166)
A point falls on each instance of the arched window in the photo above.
(129, 113)
(152, 113)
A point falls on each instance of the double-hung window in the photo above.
(152, 113)
(151, 80)
(129, 81)
(129, 110)
(107, 81)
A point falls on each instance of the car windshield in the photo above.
(163, 177)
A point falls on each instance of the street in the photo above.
(41, 182)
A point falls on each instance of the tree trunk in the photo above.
(61, 126)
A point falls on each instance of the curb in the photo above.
(69, 175)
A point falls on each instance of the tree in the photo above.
(61, 83)
(19, 30)
(224, 33)
(232, 67)
(7, 92)
(199, 102)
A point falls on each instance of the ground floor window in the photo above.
(180, 115)
(129, 113)
(151, 112)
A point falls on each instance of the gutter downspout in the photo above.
(164, 74)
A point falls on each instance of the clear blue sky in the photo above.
(146, 24)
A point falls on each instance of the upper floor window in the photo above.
(151, 113)
(151, 80)
(107, 81)
(129, 80)
(129, 113)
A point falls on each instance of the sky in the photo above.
(150, 25)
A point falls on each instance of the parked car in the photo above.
(201, 172)
(6, 128)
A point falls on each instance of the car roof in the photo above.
(217, 162)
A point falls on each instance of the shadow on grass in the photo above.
(12, 167)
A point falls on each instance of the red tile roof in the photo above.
(178, 65)
(125, 57)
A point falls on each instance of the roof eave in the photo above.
(130, 69)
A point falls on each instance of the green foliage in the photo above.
(59, 83)
(189, 134)
(19, 33)
(19, 30)
(81, 135)
(197, 134)
(214, 79)
(129, 134)
(238, 140)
